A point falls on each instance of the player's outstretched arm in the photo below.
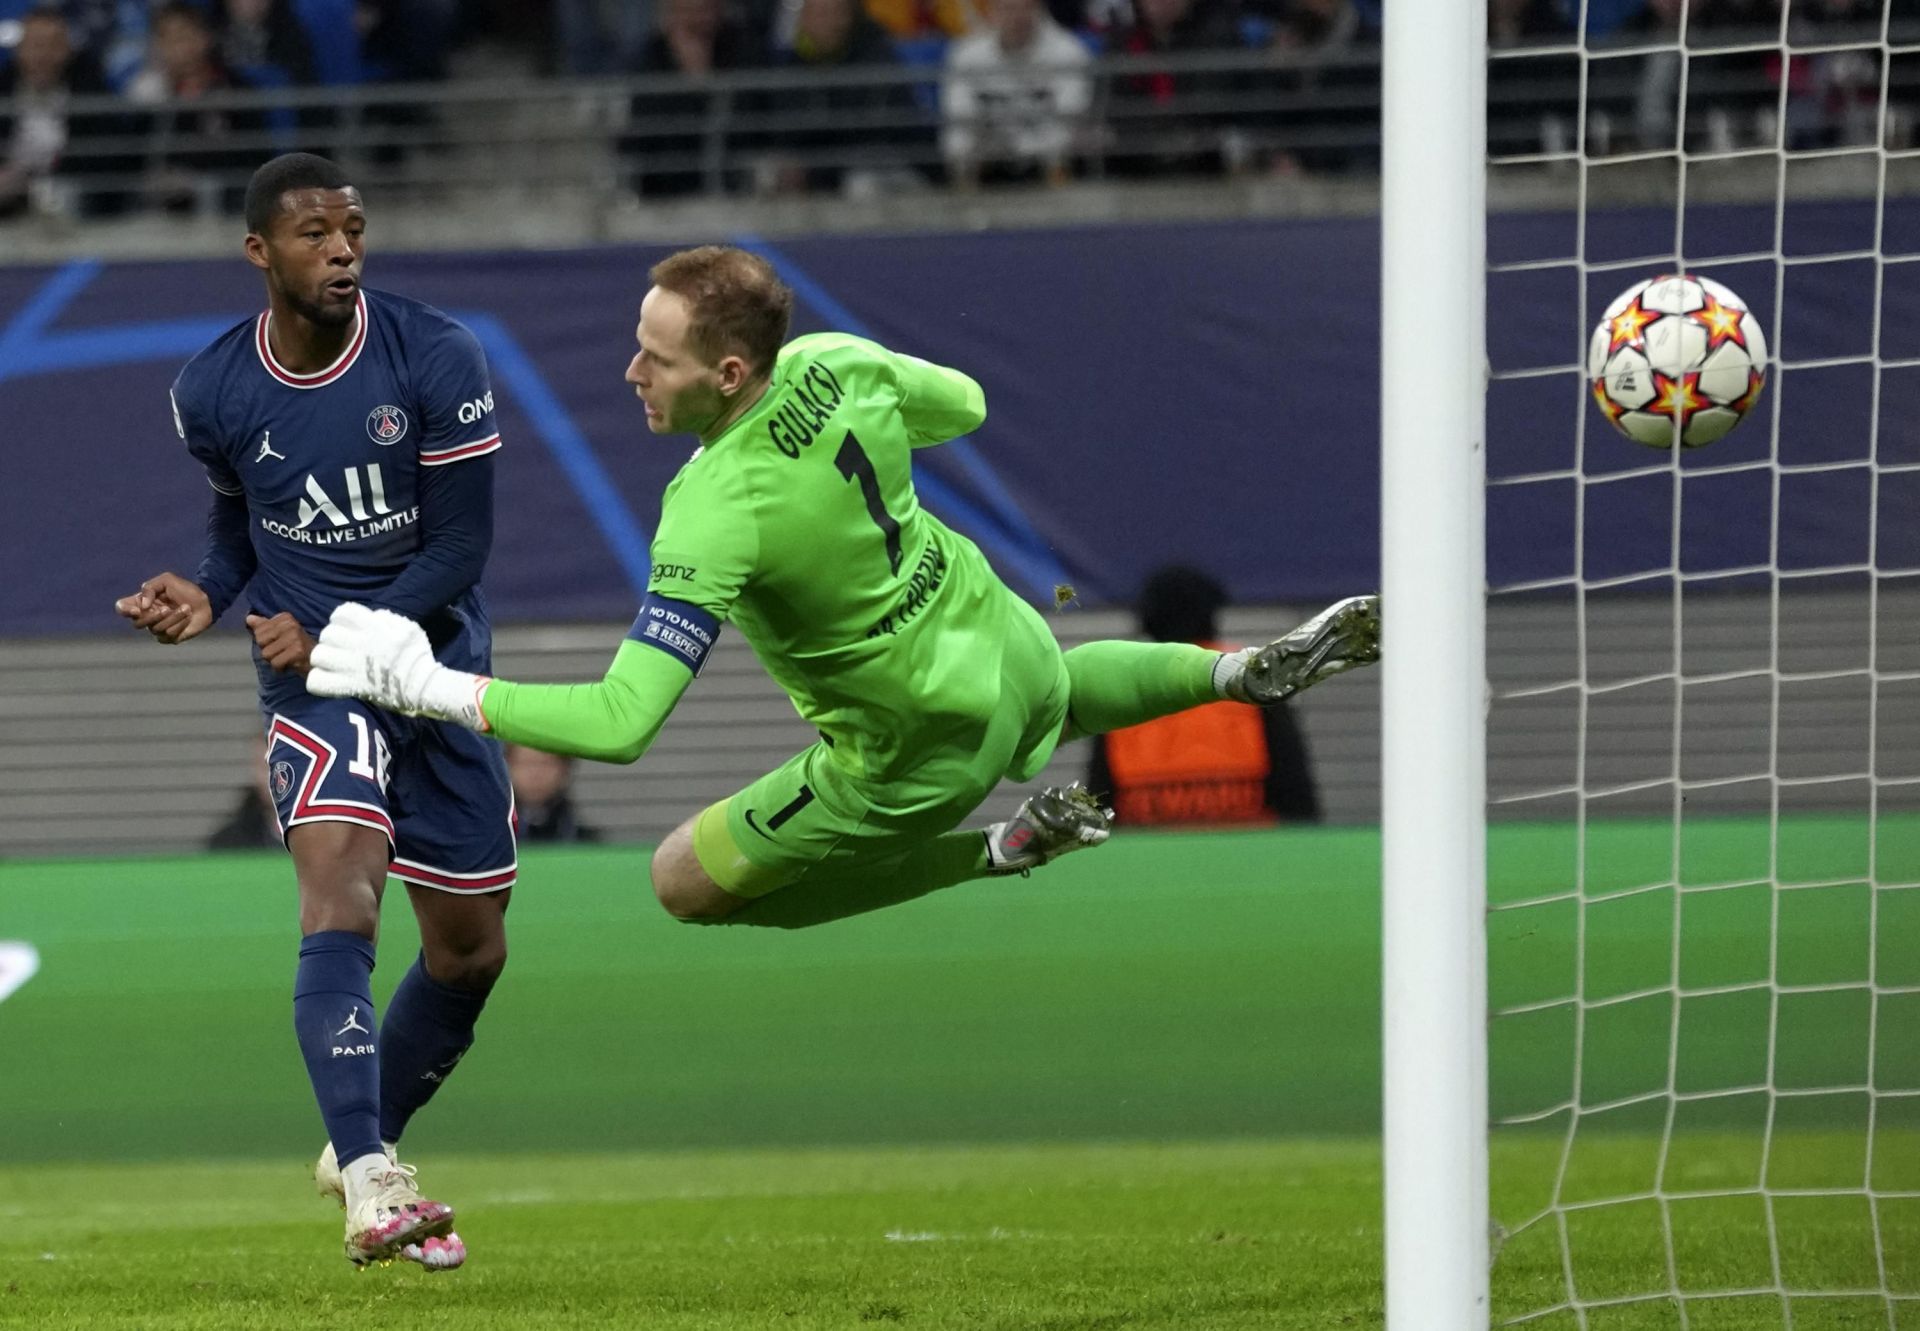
(613, 720)
(169, 607)
(385, 659)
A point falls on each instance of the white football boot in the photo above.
(441, 1250)
(1047, 826)
(1344, 636)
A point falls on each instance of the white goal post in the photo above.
(1701, 931)
(1433, 708)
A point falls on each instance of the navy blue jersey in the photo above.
(341, 470)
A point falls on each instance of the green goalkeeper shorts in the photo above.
(811, 812)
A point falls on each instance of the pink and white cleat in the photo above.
(439, 1253)
(392, 1220)
(436, 1254)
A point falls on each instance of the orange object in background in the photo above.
(1206, 765)
(1223, 764)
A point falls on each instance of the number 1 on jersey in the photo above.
(854, 464)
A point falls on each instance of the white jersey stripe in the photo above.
(263, 346)
(441, 456)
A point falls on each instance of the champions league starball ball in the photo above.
(1677, 359)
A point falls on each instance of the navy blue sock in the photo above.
(429, 1027)
(334, 1020)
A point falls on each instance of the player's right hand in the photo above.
(283, 643)
(169, 607)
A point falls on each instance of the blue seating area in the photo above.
(328, 25)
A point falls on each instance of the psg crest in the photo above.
(282, 778)
(386, 425)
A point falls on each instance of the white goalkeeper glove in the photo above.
(385, 659)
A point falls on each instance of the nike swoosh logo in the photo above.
(756, 827)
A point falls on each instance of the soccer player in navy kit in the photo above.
(348, 437)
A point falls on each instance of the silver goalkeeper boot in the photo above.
(1047, 826)
(1344, 636)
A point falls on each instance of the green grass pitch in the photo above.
(1137, 1090)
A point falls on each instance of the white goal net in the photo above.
(1703, 918)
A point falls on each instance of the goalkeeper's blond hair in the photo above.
(736, 303)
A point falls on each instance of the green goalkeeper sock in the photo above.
(1119, 684)
(835, 894)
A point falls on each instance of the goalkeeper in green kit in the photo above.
(928, 679)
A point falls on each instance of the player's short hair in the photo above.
(737, 304)
(267, 191)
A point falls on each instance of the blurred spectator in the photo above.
(604, 36)
(1014, 98)
(1315, 25)
(908, 20)
(1305, 32)
(195, 146)
(698, 37)
(1744, 99)
(1222, 763)
(1073, 16)
(263, 41)
(405, 41)
(819, 134)
(1656, 107)
(543, 796)
(253, 824)
(1610, 18)
(1159, 26)
(1527, 109)
(1512, 22)
(400, 41)
(695, 38)
(43, 146)
(182, 60)
(1833, 96)
(113, 33)
(1152, 134)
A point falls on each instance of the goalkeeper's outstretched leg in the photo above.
(1344, 636)
(1053, 822)
(1118, 684)
(810, 842)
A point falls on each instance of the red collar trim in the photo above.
(264, 347)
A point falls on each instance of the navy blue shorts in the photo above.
(438, 791)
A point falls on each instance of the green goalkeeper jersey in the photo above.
(800, 526)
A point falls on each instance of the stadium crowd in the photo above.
(1015, 92)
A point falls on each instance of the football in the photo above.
(1677, 359)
